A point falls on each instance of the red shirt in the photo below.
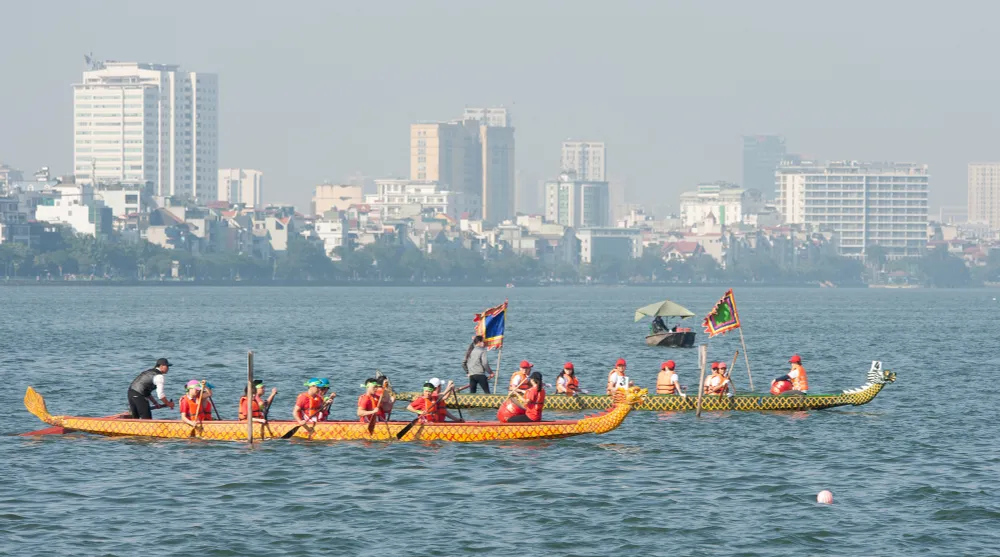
(435, 411)
(368, 403)
(189, 409)
(310, 405)
(534, 399)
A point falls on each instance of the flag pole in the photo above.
(746, 358)
(702, 362)
(496, 374)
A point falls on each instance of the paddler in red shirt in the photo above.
(430, 407)
(309, 404)
(368, 403)
(258, 405)
(533, 401)
(194, 406)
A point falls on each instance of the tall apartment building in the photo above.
(984, 193)
(588, 159)
(577, 203)
(883, 204)
(762, 155)
(138, 122)
(241, 185)
(474, 155)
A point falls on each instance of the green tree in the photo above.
(944, 270)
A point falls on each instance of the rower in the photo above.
(309, 404)
(534, 401)
(430, 408)
(796, 376)
(258, 405)
(387, 401)
(141, 389)
(368, 403)
(717, 383)
(666, 381)
(567, 382)
(194, 407)
(615, 374)
(519, 380)
(324, 388)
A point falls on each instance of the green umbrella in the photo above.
(666, 308)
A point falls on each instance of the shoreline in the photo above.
(375, 283)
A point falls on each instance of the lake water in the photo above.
(913, 472)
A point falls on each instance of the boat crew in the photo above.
(309, 404)
(567, 382)
(534, 401)
(368, 403)
(141, 389)
(519, 379)
(442, 394)
(324, 388)
(430, 407)
(666, 381)
(796, 376)
(615, 374)
(258, 406)
(387, 401)
(194, 407)
(717, 383)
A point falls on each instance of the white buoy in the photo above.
(825, 497)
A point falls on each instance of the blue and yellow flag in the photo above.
(490, 325)
(724, 317)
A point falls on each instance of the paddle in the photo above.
(373, 418)
(288, 434)
(214, 408)
(454, 395)
(201, 394)
(267, 408)
(406, 429)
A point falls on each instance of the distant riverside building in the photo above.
(762, 155)
(883, 204)
(602, 243)
(984, 193)
(137, 122)
(577, 203)
(727, 202)
(588, 159)
(241, 185)
(331, 196)
(401, 199)
(9, 176)
(474, 156)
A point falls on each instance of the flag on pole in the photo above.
(724, 317)
(490, 325)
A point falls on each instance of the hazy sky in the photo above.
(314, 91)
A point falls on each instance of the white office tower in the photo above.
(137, 122)
(587, 159)
(241, 185)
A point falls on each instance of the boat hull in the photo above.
(744, 402)
(336, 431)
(673, 340)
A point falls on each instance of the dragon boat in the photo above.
(745, 402)
(231, 430)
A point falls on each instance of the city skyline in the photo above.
(666, 139)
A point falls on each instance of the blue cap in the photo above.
(312, 382)
(324, 383)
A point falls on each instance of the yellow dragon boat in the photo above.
(743, 402)
(230, 430)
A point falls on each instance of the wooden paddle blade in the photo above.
(406, 429)
(290, 432)
(371, 424)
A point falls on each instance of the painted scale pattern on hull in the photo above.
(673, 403)
(339, 431)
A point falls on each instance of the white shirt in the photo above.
(158, 381)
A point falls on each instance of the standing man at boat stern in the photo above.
(479, 369)
(141, 389)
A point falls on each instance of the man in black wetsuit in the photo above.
(142, 387)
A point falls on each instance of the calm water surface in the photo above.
(914, 472)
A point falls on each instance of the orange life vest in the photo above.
(255, 405)
(518, 380)
(570, 385)
(666, 386)
(716, 387)
(801, 382)
(190, 410)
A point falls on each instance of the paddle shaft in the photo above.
(373, 418)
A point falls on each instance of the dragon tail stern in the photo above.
(36, 405)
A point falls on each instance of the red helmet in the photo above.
(526, 363)
(620, 362)
(569, 365)
(669, 364)
(715, 365)
(780, 387)
(796, 359)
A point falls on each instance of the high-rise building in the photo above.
(984, 193)
(587, 159)
(883, 204)
(241, 185)
(577, 203)
(762, 155)
(474, 156)
(137, 122)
